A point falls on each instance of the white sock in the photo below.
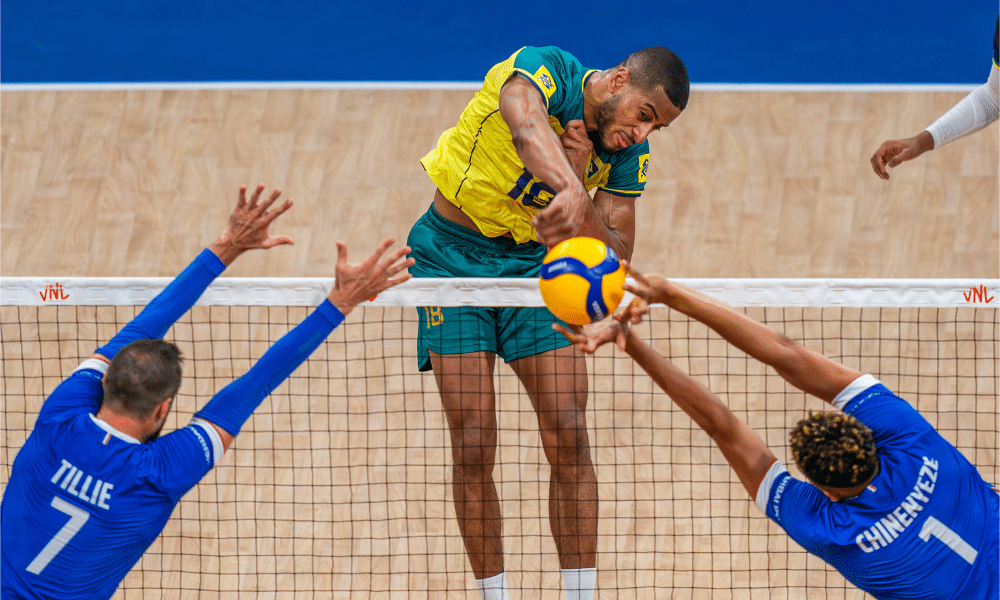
(579, 583)
(493, 588)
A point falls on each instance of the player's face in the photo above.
(629, 116)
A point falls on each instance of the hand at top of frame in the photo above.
(357, 283)
(894, 152)
(248, 225)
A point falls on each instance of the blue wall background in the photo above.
(779, 41)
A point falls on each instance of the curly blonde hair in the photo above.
(834, 449)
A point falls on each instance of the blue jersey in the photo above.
(926, 527)
(85, 500)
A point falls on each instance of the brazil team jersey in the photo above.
(926, 527)
(476, 166)
(85, 500)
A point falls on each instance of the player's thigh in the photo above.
(465, 382)
(556, 382)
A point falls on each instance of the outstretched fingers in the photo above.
(255, 196)
(370, 264)
(268, 217)
(576, 338)
(397, 262)
(241, 200)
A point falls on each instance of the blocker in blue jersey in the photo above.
(893, 506)
(94, 484)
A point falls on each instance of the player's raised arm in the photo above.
(247, 228)
(743, 449)
(542, 152)
(230, 408)
(805, 369)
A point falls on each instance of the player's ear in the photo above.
(619, 80)
(162, 409)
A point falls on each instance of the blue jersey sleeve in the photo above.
(231, 407)
(169, 305)
(179, 460)
(81, 392)
(794, 505)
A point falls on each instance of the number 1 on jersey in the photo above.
(951, 539)
(77, 517)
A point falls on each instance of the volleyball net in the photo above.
(339, 485)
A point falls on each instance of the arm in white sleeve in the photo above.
(972, 113)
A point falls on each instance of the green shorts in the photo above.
(445, 249)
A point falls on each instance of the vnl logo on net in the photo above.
(977, 295)
(53, 293)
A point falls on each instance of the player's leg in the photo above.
(465, 382)
(460, 344)
(556, 382)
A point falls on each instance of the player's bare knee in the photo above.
(474, 452)
(568, 447)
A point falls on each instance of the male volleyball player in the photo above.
(513, 176)
(974, 112)
(889, 503)
(94, 484)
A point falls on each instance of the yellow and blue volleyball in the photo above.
(582, 280)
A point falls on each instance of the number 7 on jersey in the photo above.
(77, 517)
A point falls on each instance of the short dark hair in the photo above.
(834, 449)
(658, 66)
(142, 375)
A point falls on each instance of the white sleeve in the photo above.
(972, 113)
(764, 491)
(213, 439)
(854, 388)
(95, 364)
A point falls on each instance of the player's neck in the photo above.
(592, 98)
(840, 494)
(127, 424)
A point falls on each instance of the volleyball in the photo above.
(582, 280)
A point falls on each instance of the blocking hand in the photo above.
(357, 283)
(248, 224)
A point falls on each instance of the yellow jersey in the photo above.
(477, 168)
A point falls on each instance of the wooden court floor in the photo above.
(754, 184)
(744, 184)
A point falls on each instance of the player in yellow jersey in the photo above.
(514, 177)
